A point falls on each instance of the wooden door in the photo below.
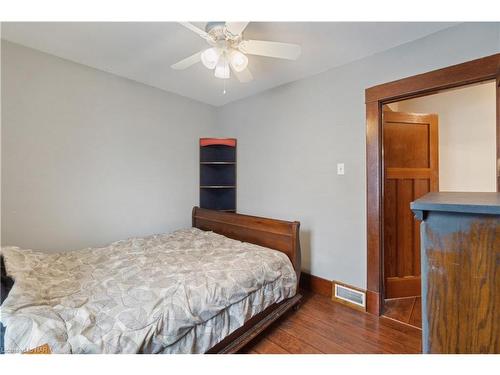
(410, 157)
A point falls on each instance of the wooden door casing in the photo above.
(474, 71)
(410, 171)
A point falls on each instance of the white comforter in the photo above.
(182, 292)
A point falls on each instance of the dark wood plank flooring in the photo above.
(407, 310)
(323, 326)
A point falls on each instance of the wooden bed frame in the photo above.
(275, 234)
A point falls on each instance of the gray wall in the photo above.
(291, 137)
(88, 157)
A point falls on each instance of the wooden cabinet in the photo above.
(218, 174)
(460, 237)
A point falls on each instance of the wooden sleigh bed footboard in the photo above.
(275, 234)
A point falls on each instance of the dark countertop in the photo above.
(479, 203)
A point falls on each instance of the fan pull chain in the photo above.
(224, 89)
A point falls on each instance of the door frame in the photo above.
(475, 71)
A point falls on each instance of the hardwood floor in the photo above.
(323, 326)
(407, 310)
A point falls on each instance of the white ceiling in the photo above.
(144, 51)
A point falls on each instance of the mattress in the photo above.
(170, 293)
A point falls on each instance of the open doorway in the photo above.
(475, 71)
(440, 142)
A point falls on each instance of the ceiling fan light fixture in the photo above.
(210, 57)
(222, 68)
(238, 60)
(229, 49)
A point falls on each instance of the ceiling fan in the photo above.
(228, 50)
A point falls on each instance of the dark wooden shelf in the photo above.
(218, 174)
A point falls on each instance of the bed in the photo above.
(211, 288)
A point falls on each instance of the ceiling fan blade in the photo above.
(187, 62)
(271, 49)
(196, 30)
(236, 28)
(243, 76)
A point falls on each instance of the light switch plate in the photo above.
(340, 168)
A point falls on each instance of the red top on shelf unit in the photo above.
(218, 141)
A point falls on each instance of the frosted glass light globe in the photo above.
(238, 60)
(210, 57)
(222, 68)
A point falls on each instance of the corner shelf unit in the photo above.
(218, 174)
